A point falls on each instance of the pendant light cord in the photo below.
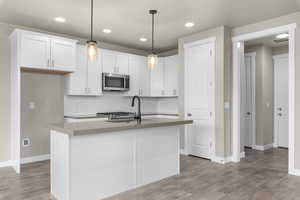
(152, 33)
(92, 18)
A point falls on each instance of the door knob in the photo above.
(248, 113)
(189, 114)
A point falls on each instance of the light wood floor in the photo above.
(260, 176)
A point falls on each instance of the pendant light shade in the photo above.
(152, 58)
(152, 61)
(92, 49)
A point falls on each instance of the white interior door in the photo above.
(247, 101)
(200, 98)
(281, 114)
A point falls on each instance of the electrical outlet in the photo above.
(26, 142)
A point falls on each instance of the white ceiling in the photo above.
(129, 19)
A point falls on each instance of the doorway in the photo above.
(238, 61)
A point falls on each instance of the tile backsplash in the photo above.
(110, 102)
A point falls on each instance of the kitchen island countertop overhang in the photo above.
(96, 127)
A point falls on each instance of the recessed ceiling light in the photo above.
(106, 30)
(282, 36)
(143, 39)
(189, 24)
(60, 19)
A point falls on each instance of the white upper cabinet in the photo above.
(114, 62)
(63, 55)
(171, 76)
(94, 77)
(157, 79)
(108, 61)
(139, 76)
(34, 51)
(45, 52)
(122, 63)
(86, 80)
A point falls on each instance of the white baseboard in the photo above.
(263, 148)
(242, 155)
(35, 159)
(183, 152)
(221, 160)
(7, 163)
(295, 172)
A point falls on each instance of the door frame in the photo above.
(238, 42)
(253, 81)
(187, 145)
(275, 133)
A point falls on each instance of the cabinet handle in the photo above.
(141, 92)
(189, 114)
(52, 63)
(48, 63)
(174, 92)
(162, 92)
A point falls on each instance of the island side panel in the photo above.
(102, 165)
(60, 165)
(158, 154)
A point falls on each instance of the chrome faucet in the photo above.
(138, 117)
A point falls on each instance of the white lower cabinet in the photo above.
(86, 80)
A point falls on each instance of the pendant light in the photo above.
(152, 58)
(92, 49)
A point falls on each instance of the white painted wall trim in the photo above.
(35, 159)
(242, 155)
(238, 43)
(221, 160)
(7, 163)
(264, 33)
(183, 152)
(186, 136)
(295, 172)
(263, 148)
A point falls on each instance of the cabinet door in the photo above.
(144, 77)
(134, 72)
(35, 51)
(63, 55)
(108, 61)
(122, 63)
(171, 76)
(94, 77)
(157, 79)
(77, 81)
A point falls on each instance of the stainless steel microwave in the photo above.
(115, 82)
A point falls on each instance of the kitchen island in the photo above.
(97, 159)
